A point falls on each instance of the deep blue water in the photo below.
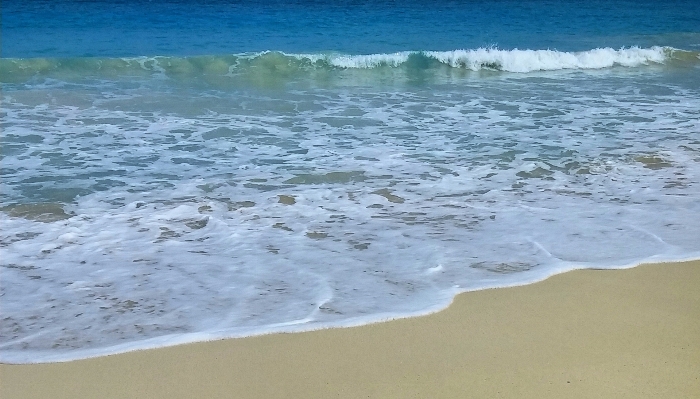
(114, 28)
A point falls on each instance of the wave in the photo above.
(520, 61)
(286, 64)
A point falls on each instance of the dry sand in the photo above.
(584, 334)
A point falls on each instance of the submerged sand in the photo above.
(584, 334)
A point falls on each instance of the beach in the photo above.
(629, 333)
(349, 199)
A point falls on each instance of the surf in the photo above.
(281, 65)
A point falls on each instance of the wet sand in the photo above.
(584, 334)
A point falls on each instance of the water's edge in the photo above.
(17, 357)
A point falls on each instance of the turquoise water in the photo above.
(176, 172)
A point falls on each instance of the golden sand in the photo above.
(584, 334)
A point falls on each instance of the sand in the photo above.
(585, 334)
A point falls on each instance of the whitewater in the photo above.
(244, 212)
(506, 60)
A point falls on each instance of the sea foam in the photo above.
(149, 213)
(505, 60)
(549, 60)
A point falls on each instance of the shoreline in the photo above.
(592, 332)
(207, 336)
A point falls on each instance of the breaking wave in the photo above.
(281, 64)
(520, 61)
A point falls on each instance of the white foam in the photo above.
(401, 199)
(369, 61)
(549, 60)
(506, 60)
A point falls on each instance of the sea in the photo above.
(176, 171)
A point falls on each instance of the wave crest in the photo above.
(520, 61)
(549, 60)
(284, 65)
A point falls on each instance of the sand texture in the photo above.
(584, 334)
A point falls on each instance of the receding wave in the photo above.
(289, 65)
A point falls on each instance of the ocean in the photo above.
(181, 171)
